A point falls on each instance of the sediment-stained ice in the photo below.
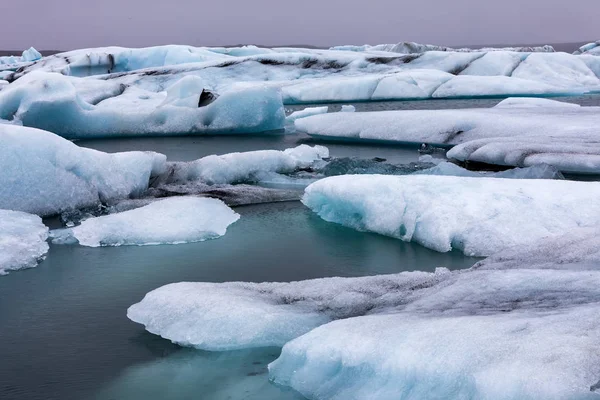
(478, 216)
(45, 174)
(22, 241)
(227, 316)
(307, 112)
(243, 167)
(497, 334)
(171, 221)
(526, 353)
(457, 126)
(576, 249)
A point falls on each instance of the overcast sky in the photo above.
(67, 24)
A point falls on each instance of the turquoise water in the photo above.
(64, 333)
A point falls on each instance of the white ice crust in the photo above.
(478, 216)
(22, 240)
(175, 220)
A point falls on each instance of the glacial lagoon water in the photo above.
(64, 333)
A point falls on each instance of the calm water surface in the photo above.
(64, 333)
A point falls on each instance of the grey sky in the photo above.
(67, 24)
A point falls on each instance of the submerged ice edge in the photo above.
(413, 334)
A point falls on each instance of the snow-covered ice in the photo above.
(22, 240)
(171, 221)
(477, 216)
(45, 174)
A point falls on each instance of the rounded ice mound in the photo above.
(172, 221)
(22, 240)
(45, 174)
(478, 216)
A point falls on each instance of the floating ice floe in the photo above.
(590, 48)
(495, 331)
(243, 167)
(27, 56)
(83, 108)
(539, 171)
(22, 240)
(542, 345)
(44, 174)
(171, 221)
(517, 132)
(477, 216)
(227, 316)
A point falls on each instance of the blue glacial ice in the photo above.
(175, 220)
(78, 108)
(45, 174)
(22, 240)
(477, 216)
(592, 48)
(27, 56)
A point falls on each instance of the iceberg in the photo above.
(235, 168)
(511, 118)
(171, 221)
(228, 316)
(516, 132)
(316, 75)
(477, 216)
(27, 56)
(590, 48)
(578, 249)
(22, 241)
(45, 174)
(65, 105)
(477, 333)
(539, 171)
